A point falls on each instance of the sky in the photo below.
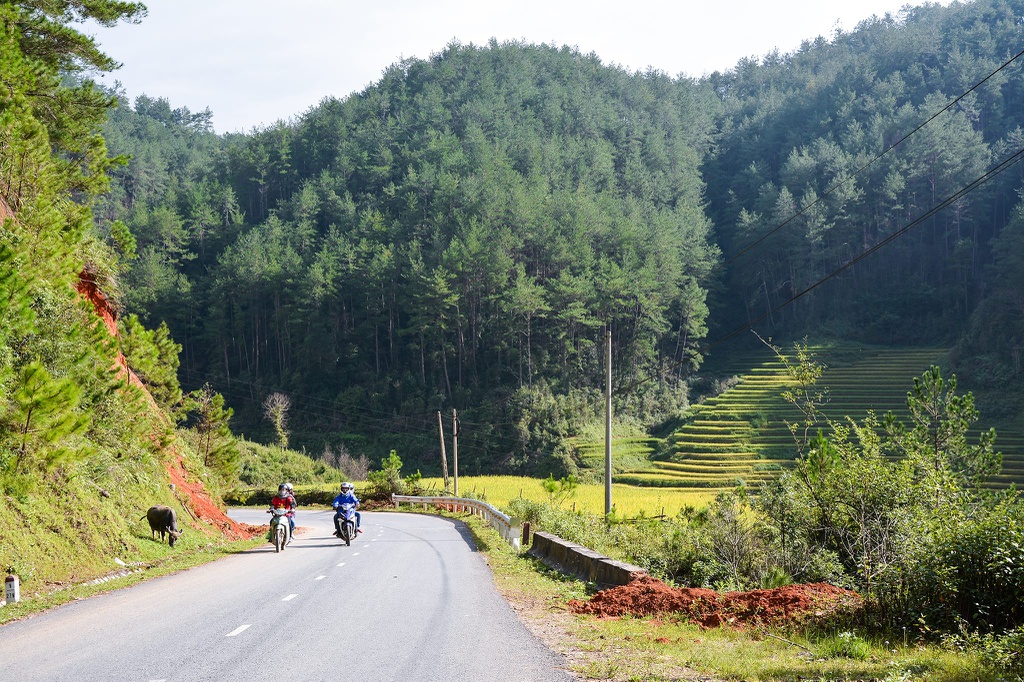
(254, 62)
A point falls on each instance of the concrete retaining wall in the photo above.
(582, 562)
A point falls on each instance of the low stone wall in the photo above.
(582, 562)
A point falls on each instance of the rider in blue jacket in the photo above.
(346, 496)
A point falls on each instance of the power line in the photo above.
(878, 156)
(354, 418)
(326, 403)
(959, 194)
(426, 420)
(1003, 165)
(963, 191)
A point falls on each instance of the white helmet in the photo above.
(288, 487)
(347, 487)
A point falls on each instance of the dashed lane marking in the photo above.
(355, 553)
(320, 577)
(341, 564)
(290, 597)
(240, 629)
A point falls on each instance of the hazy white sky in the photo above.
(257, 61)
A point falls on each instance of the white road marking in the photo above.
(238, 630)
(355, 553)
(341, 564)
(290, 597)
(320, 577)
(373, 540)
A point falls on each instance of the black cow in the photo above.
(163, 520)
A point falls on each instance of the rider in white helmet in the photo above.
(286, 500)
(347, 496)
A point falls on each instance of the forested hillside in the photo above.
(801, 131)
(85, 449)
(461, 233)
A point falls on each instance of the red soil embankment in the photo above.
(646, 596)
(190, 493)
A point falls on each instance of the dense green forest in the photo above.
(81, 449)
(462, 233)
(800, 131)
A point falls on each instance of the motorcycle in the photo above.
(280, 528)
(347, 522)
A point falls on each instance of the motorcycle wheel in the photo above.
(348, 534)
(279, 539)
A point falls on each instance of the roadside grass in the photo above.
(629, 501)
(84, 576)
(666, 648)
(151, 560)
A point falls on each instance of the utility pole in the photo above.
(455, 448)
(444, 455)
(608, 423)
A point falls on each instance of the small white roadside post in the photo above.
(12, 589)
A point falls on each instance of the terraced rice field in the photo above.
(1010, 441)
(741, 434)
(627, 453)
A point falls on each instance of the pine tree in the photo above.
(45, 412)
(217, 445)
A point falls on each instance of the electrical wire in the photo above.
(1002, 166)
(369, 420)
(426, 420)
(970, 187)
(354, 417)
(878, 156)
(327, 403)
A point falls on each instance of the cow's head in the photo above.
(175, 534)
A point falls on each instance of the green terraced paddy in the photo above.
(741, 434)
(627, 453)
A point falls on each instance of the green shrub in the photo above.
(388, 480)
(527, 510)
(1005, 652)
(270, 465)
(845, 645)
(775, 577)
(971, 571)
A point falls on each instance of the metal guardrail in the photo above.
(510, 528)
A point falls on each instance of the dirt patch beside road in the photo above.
(646, 596)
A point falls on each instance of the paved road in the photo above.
(410, 600)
